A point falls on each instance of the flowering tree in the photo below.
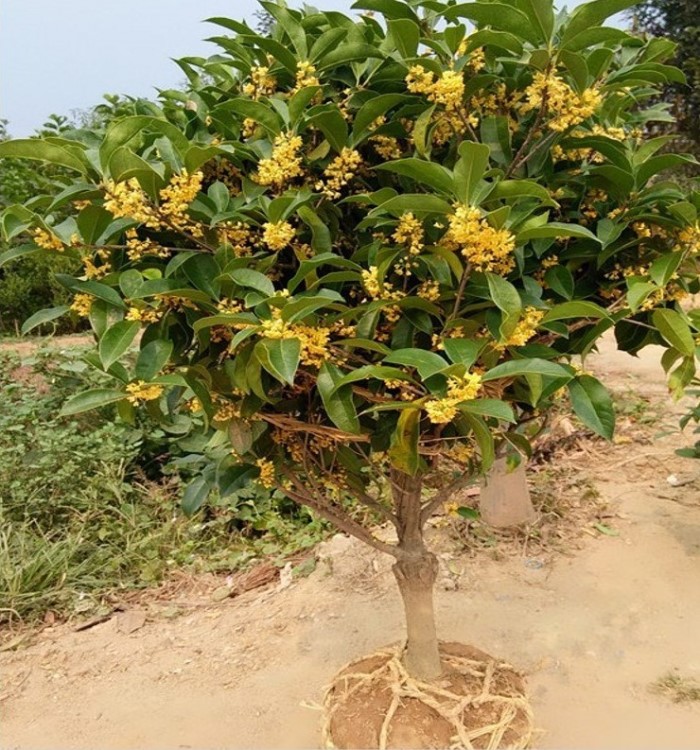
(362, 253)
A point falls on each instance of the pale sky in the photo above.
(61, 56)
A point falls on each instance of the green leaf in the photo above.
(495, 133)
(195, 495)
(405, 34)
(254, 280)
(374, 108)
(517, 367)
(347, 53)
(489, 407)
(337, 402)
(662, 269)
(427, 363)
(403, 452)
(593, 405)
(675, 330)
(321, 240)
(41, 150)
(579, 309)
(280, 357)
(94, 288)
(497, 15)
(44, 316)
(472, 163)
(127, 130)
(88, 400)
(423, 172)
(593, 14)
(331, 123)
(484, 439)
(152, 359)
(390, 9)
(418, 203)
(504, 294)
(560, 280)
(541, 15)
(462, 351)
(17, 252)
(116, 340)
(554, 229)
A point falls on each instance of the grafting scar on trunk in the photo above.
(415, 571)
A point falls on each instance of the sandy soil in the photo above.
(591, 631)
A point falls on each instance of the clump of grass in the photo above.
(677, 688)
(87, 505)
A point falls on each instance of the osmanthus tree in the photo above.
(363, 252)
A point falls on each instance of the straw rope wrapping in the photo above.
(445, 703)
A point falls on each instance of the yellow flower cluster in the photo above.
(444, 410)
(176, 198)
(526, 328)
(261, 82)
(486, 248)
(429, 290)
(267, 472)
(690, 237)
(139, 390)
(223, 171)
(284, 164)
(561, 103)
(313, 341)
(375, 288)
(278, 235)
(238, 235)
(339, 172)
(386, 146)
(127, 200)
(446, 90)
(226, 410)
(82, 304)
(306, 75)
(137, 248)
(47, 241)
(477, 58)
(409, 232)
(229, 306)
(144, 315)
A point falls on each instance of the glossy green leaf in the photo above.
(593, 405)
(116, 340)
(89, 400)
(675, 330)
(43, 316)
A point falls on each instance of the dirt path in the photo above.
(591, 631)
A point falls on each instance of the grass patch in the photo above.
(90, 506)
(677, 688)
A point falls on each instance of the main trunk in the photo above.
(416, 578)
(416, 572)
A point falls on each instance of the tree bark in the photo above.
(416, 579)
(415, 571)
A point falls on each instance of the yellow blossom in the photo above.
(47, 241)
(144, 315)
(139, 391)
(459, 389)
(526, 328)
(261, 82)
(82, 304)
(306, 75)
(127, 200)
(267, 472)
(313, 340)
(285, 163)
(238, 235)
(410, 233)
(339, 172)
(486, 248)
(429, 290)
(176, 198)
(564, 107)
(278, 235)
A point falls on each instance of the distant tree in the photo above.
(678, 20)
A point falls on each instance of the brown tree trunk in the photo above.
(415, 570)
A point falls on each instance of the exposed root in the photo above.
(502, 709)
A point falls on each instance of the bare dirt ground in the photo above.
(591, 629)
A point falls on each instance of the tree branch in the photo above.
(300, 494)
(442, 496)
